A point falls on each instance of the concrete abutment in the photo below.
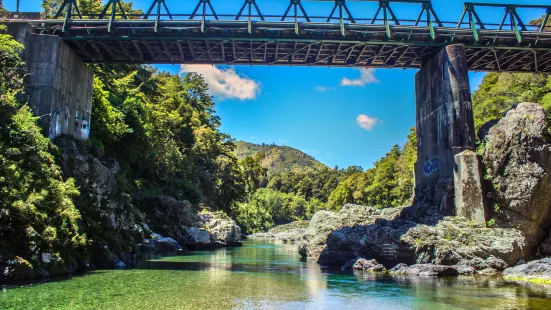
(445, 132)
(59, 84)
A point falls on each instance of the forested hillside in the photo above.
(279, 159)
(297, 194)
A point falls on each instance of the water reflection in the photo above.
(267, 276)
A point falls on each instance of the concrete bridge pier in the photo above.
(59, 84)
(448, 170)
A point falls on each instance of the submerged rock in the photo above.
(424, 270)
(537, 271)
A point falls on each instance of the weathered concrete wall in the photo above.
(59, 84)
(446, 135)
(445, 125)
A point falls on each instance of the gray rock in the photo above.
(465, 270)
(518, 161)
(545, 247)
(165, 244)
(369, 265)
(46, 258)
(199, 238)
(109, 218)
(539, 270)
(424, 270)
(168, 216)
(224, 231)
(411, 235)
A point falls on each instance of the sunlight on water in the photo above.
(266, 276)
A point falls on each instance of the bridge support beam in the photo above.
(58, 85)
(446, 137)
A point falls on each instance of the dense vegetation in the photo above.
(279, 159)
(36, 209)
(500, 91)
(297, 193)
(168, 123)
(163, 131)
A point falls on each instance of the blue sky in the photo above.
(312, 109)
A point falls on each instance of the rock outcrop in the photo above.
(518, 162)
(168, 216)
(223, 230)
(517, 157)
(109, 218)
(536, 271)
(410, 235)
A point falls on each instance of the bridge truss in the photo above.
(296, 38)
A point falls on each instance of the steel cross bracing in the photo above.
(297, 38)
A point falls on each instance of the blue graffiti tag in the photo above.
(431, 166)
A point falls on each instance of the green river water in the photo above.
(262, 275)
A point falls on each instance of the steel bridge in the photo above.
(340, 38)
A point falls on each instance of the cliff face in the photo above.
(518, 162)
(120, 228)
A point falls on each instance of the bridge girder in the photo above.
(335, 39)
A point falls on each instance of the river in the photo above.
(266, 276)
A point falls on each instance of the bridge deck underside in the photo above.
(309, 44)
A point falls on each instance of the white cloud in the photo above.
(367, 76)
(324, 88)
(367, 122)
(225, 83)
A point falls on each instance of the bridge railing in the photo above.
(382, 14)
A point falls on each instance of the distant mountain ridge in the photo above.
(279, 159)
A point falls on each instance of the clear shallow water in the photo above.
(266, 276)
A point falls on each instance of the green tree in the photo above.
(500, 91)
(254, 175)
(37, 212)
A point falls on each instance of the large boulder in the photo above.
(224, 231)
(168, 216)
(199, 238)
(517, 157)
(324, 234)
(410, 235)
(537, 271)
